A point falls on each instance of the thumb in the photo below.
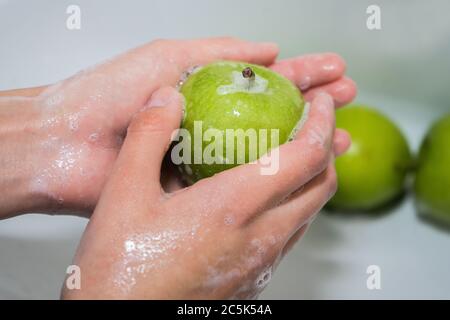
(148, 139)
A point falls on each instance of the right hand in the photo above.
(219, 238)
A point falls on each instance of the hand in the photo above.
(219, 238)
(79, 124)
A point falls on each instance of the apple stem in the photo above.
(248, 73)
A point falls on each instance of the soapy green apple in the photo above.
(432, 181)
(373, 171)
(230, 97)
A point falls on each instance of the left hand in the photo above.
(79, 124)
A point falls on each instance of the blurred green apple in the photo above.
(373, 171)
(235, 97)
(432, 182)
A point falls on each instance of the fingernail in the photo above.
(157, 102)
(326, 97)
(161, 98)
(305, 83)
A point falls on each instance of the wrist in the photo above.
(19, 144)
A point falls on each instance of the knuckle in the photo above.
(319, 159)
(315, 159)
(148, 122)
(262, 245)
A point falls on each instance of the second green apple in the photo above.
(372, 173)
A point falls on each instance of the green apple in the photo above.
(373, 171)
(233, 101)
(432, 182)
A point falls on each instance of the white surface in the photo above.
(404, 69)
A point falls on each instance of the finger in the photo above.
(228, 48)
(25, 92)
(148, 138)
(124, 83)
(341, 142)
(342, 90)
(176, 56)
(313, 70)
(253, 186)
(300, 208)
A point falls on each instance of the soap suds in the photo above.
(185, 75)
(67, 157)
(54, 100)
(93, 136)
(264, 278)
(145, 252)
(141, 253)
(251, 262)
(73, 121)
(228, 220)
(300, 123)
(316, 136)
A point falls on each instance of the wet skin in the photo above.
(68, 139)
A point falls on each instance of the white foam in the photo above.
(93, 136)
(264, 278)
(67, 157)
(300, 123)
(145, 252)
(316, 136)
